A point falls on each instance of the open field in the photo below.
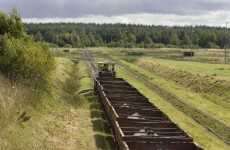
(218, 71)
(201, 55)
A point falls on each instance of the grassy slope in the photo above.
(12, 99)
(62, 120)
(219, 71)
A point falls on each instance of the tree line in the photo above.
(128, 35)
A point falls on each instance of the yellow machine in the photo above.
(106, 69)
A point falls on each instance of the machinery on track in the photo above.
(106, 69)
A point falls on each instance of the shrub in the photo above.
(212, 45)
(21, 58)
(160, 45)
(12, 24)
(24, 59)
(68, 46)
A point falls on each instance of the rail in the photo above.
(90, 63)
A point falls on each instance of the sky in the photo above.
(147, 12)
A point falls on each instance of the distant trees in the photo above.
(186, 39)
(121, 35)
(38, 36)
(175, 39)
(147, 42)
(131, 38)
(211, 45)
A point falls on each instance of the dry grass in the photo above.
(12, 98)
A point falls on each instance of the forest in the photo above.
(128, 35)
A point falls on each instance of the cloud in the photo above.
(125, 11)
(211, 19)
(79, 8)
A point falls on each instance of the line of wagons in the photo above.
(136, 123)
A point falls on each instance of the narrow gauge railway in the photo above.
(136, 123)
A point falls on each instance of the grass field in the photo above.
(219, 71)
(201, 55)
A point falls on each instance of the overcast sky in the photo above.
(157, 12)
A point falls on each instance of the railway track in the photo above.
(220, 130)
(90, 63)
(136, 122)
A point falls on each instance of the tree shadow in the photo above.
(104, 142)
(103, 138)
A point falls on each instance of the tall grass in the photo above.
(12, 99)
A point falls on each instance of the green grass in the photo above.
(84, 78)
(219, 71)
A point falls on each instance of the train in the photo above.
(137, 124)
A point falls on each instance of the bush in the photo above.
(212, 45)
(24, 59)
(68, 46)
(12, 24)
(160, 45)
(21, 58)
